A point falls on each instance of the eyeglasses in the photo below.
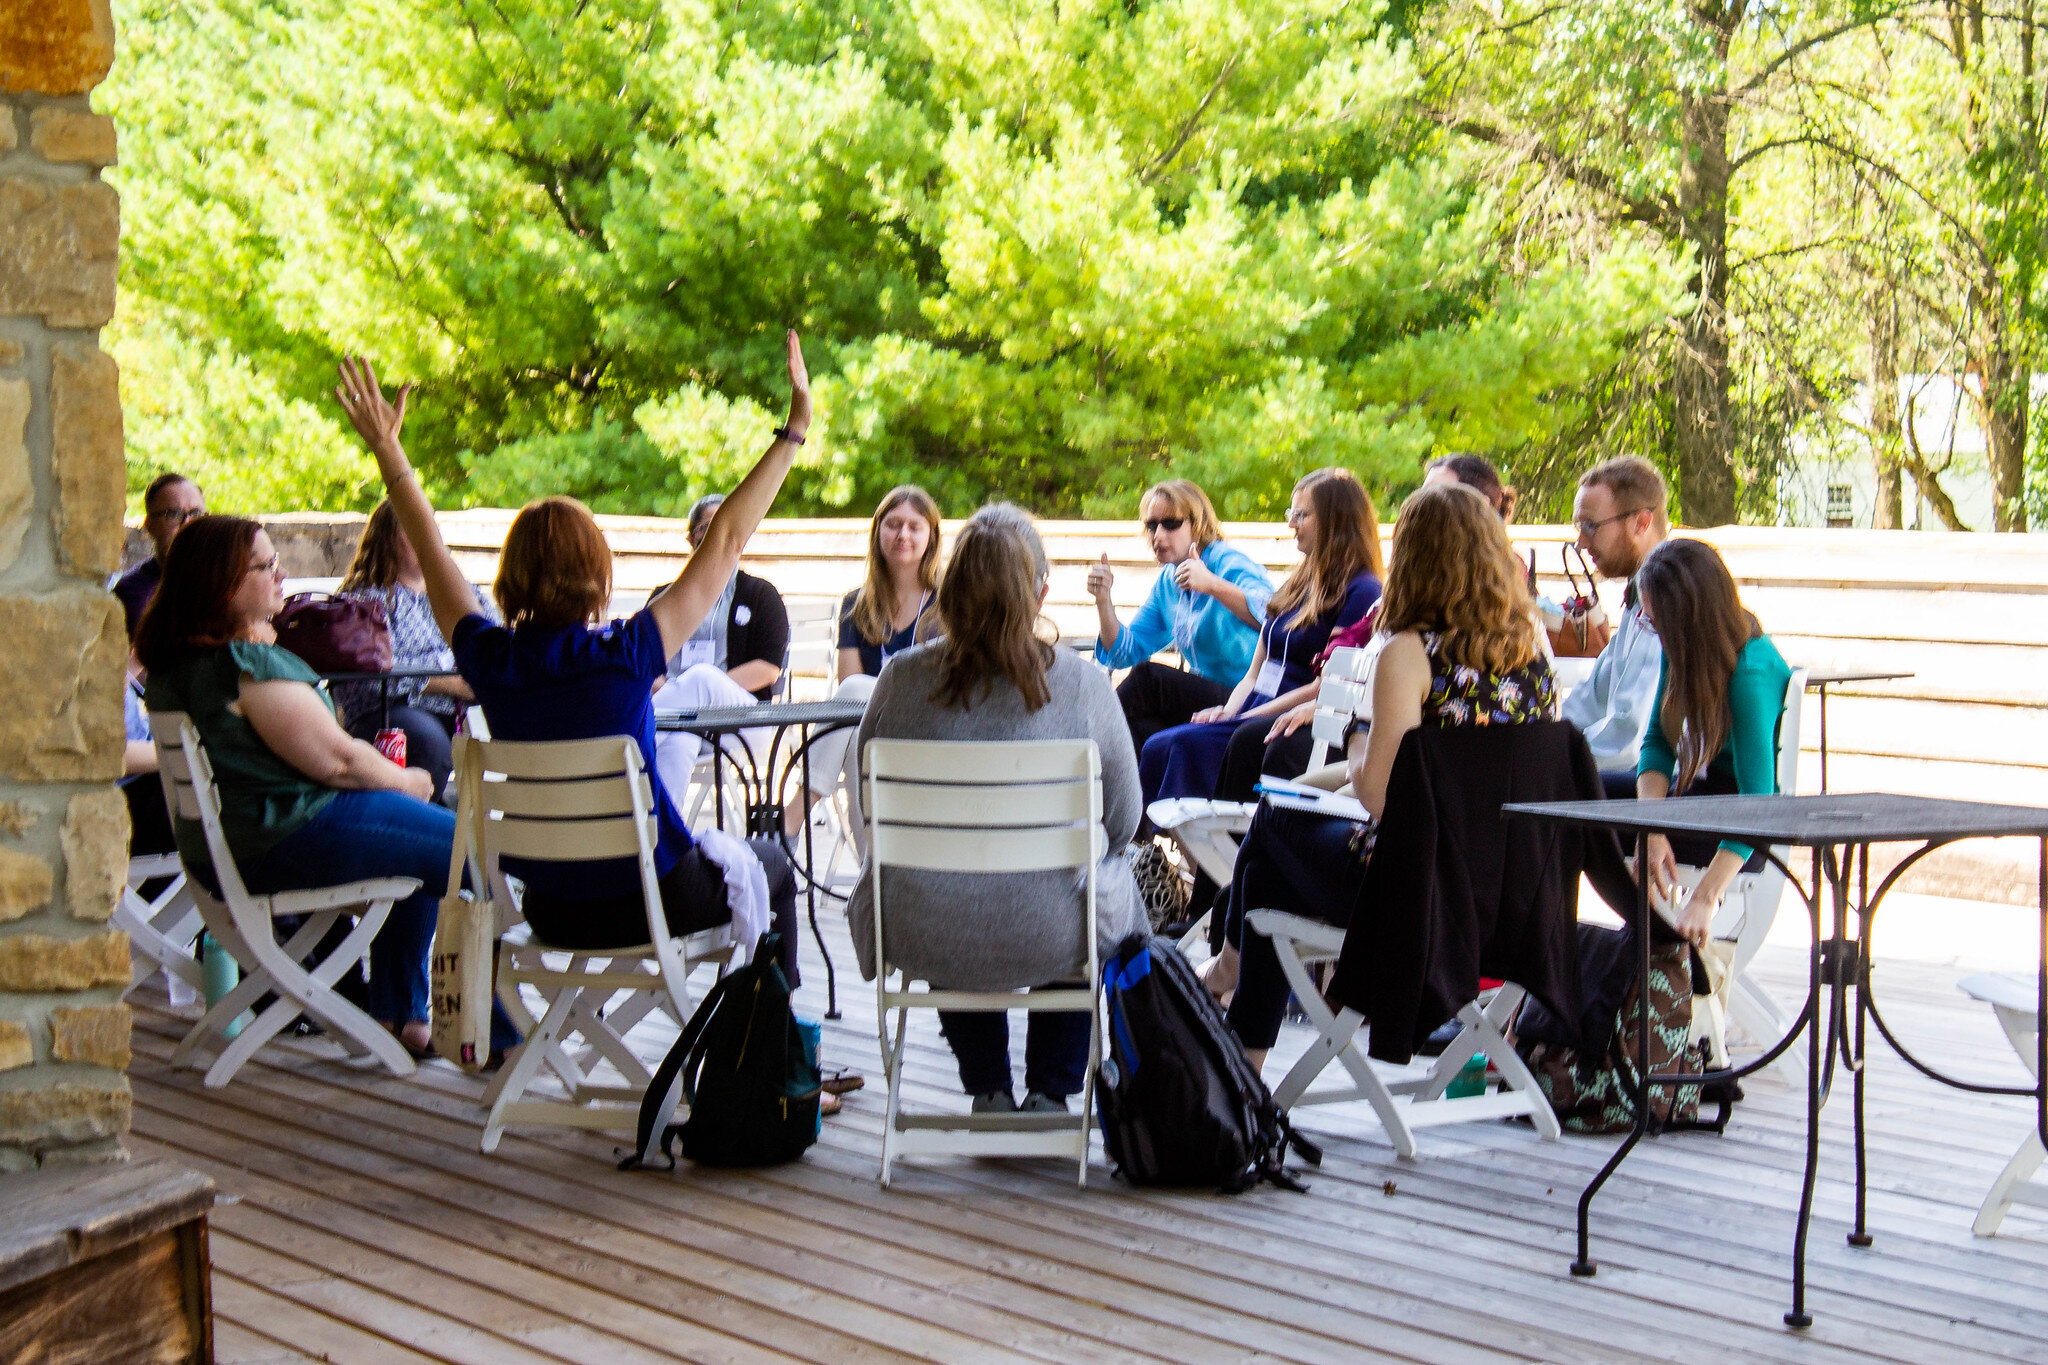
(1164, 524)
(1588, 529)
(177, 516)
(269, 566)
(1297, 515)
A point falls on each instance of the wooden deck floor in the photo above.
(361, 1224)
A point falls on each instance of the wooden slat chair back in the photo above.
(1208, 831)
(576, 801)
(1748, 908)
(2016, 999)
(242, 923)
(983, 807)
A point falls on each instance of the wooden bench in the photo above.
(104, 1264)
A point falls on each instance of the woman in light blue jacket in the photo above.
(1207, 602)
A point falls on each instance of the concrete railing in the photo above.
(1967, 615)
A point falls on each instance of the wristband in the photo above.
(783, 433)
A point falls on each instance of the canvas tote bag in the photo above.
(465, 936)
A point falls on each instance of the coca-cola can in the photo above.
(391, 743)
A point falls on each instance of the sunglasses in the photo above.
(1164, 524)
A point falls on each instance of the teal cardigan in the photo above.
(1756, 701)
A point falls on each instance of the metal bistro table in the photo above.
(384, 681)
(1819, 680)
(764, 782)
(1839, 831)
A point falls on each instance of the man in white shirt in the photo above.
(1621, 514)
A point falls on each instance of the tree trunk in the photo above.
(2002, 413)
(1706, 464)
(1887, 513)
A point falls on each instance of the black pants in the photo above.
(692, 897)
(1157, 698)
(1250, 757)
(1297, 862)
(1055, 1050)
(1693, 850)
(429, 739)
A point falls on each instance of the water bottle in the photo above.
(221, 974)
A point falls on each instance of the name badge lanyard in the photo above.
(922, 603)
(1275, 671)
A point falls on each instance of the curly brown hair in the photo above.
(1455, 572)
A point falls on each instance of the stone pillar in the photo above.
(64, 1033)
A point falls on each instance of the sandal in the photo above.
(828, 1105)
(842, 1082)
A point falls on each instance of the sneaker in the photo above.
(1035, 1103)
(995, 1102)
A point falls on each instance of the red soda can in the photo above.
(391, 744)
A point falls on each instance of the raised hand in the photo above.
(375, 420)
(799, 390)
(1100, 577)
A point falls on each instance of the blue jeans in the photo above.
(360, 835)
(1055, 1050)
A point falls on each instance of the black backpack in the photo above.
(742, 1067)
(1179, 1101)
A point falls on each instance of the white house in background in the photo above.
(1833, 482)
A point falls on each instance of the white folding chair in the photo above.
(162, 931)
(1208, 832)
(813, 645)
(242, 923)
(984, 807)
(2014, 998)
(1411, 1098)
(575, 801)
(1743, 923)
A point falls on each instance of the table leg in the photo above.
(1585, 1265)
(1799, 1317)
(1823, 690)
(1859, 980)
(811, 884)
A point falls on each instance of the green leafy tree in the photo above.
(1037, 250)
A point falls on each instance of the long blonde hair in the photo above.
(1347, 544)
(1455, 572)
(872, 609)
(988, 608)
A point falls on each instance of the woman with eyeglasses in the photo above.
(303, 803)
(1206, 602)
(1336, 584)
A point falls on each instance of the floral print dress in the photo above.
(1460, 694)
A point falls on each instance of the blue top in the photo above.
(1215, 642)
(1295, 643)
(1756, 702)
(873, 656)
(578, 682)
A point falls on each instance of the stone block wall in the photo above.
(64, 1033)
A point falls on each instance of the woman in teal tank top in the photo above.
(1714, 726)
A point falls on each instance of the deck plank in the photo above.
(370, 1228)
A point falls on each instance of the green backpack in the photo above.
(746, 1072)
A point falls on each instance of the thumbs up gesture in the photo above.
(1100, 577)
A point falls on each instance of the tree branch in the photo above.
(1659, 212)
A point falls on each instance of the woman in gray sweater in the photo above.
(991, 678)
